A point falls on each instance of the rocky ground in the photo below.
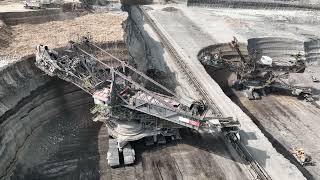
(102, 27)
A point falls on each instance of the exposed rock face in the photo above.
(39, 115)
(17, 82)
(146, 52)
(5, 34)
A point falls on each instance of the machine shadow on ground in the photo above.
(191, 141)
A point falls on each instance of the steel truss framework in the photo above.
(81, 67)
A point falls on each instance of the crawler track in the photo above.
(255, 169)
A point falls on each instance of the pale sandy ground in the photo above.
(12, 7)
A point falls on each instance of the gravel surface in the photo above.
(102, 27)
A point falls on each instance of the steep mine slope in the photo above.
(29, 101)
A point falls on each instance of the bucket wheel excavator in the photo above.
(257, 75)
(129, 110)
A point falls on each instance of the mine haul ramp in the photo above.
(129, 110)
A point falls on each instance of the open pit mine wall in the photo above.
(145, 52)
(33, 17)
(312, 49)
(29, 99)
